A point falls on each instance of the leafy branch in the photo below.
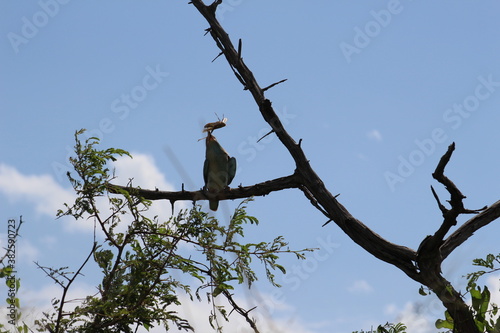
(138, 255)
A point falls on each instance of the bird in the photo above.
(218, 170)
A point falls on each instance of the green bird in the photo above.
(218, 171)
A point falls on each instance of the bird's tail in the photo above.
(214, 204)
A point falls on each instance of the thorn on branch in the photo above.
(221, 53)
(274, 84)
(300, 142)
(240, 78)
(314, 202)
(255, 307)
(265, 135)
(330, 220)
(239, 48)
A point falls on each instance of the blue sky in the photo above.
(376, 91)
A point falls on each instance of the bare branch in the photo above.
(482, 219)
(430, 245)
(456, 197)
(260, 189)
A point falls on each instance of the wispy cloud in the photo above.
(284, 319)
(374, 135)
(360, 287)
(416, 321)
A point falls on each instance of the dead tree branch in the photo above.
(423, 266)
(260, 189)
(400, 256)
(466, 230)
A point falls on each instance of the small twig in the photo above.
(239, 48)
(241, 311)
(66, 288)
(440, 205)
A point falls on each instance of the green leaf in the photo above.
(443, 324)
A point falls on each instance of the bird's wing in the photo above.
(205, 172)
(231, 169)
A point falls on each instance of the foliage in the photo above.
(141, 257)
(485, 313)
(387, 328)
(392, 328)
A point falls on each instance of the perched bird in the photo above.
(218, 171)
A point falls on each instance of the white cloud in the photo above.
(493, 283)
(374, 135)
(362, 156)
(47, 196)
(360, 287)
(285, 318)
(48, 240)
(144, 173)
(142, 168)
(40, 190)
(415, 320)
